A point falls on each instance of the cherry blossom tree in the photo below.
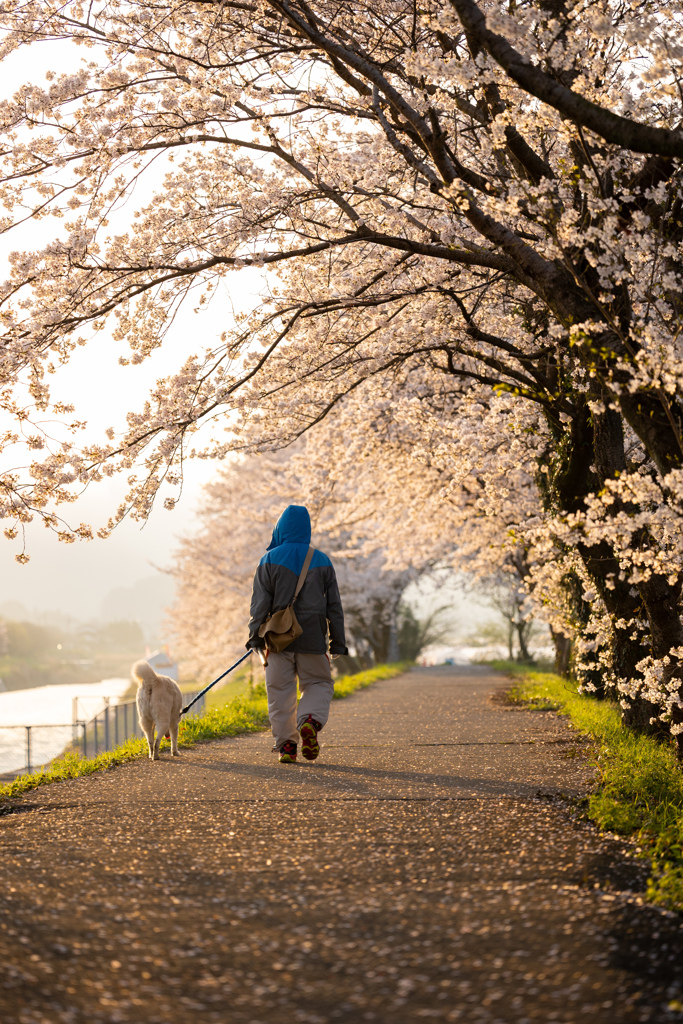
(460, 204)
(215, 567)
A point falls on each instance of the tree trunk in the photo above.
(661, 600)
(563, 652)
(598, 438)
(522, 629)
(349, 664)
(623, 603)
(392, 644)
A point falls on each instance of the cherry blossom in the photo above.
(470, 221)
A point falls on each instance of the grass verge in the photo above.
(220, 695)
(242, 714)
(640, 783)
(344, 686)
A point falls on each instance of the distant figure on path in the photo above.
(316, 608)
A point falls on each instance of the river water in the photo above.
(49, 710)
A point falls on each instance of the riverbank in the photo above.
(36, 724)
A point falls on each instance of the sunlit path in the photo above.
(422, 868)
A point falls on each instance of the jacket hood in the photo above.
(293, 527)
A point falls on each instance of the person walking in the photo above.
(280, 582)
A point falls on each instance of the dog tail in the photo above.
(143, 673)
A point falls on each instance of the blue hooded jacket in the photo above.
(318, 607)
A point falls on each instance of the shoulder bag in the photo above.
(281, 628)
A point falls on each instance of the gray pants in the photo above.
(315, 683)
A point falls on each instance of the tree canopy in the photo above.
(472, 214)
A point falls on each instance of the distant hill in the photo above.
(143, 602)
(47, 655)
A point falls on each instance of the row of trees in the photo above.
(30, 640)
(38, 655)
(215, 570)
(474, 219)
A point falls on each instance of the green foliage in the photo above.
(243, 714)
(344, 686)
(220, 695)
(33, 655)
(26, 639)
(120, 636)
(640, 791)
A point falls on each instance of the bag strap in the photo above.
(304, 572)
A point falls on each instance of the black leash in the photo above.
(206, 688)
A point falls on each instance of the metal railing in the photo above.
(24, 748)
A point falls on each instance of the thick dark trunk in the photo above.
(622, 601)
(657, 597)
(623, 604)
(662, 601)
(657, 422)
(598, 439)
(563, 653)
(522, 630)
(590, 673)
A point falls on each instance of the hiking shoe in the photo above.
(288, 753)
(308, 731)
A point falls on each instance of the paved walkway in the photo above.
(423, 868)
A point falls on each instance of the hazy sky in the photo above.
(76, 578)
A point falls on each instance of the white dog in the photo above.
(159, 703)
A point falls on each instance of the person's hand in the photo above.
(263, 653)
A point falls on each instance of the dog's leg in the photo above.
(163, 731)
(174, 740)
(157, 744)
(148, 729)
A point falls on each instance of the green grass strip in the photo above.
(344, 686)
(242, 714)
(640, 783)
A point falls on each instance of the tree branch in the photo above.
(621, 131)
